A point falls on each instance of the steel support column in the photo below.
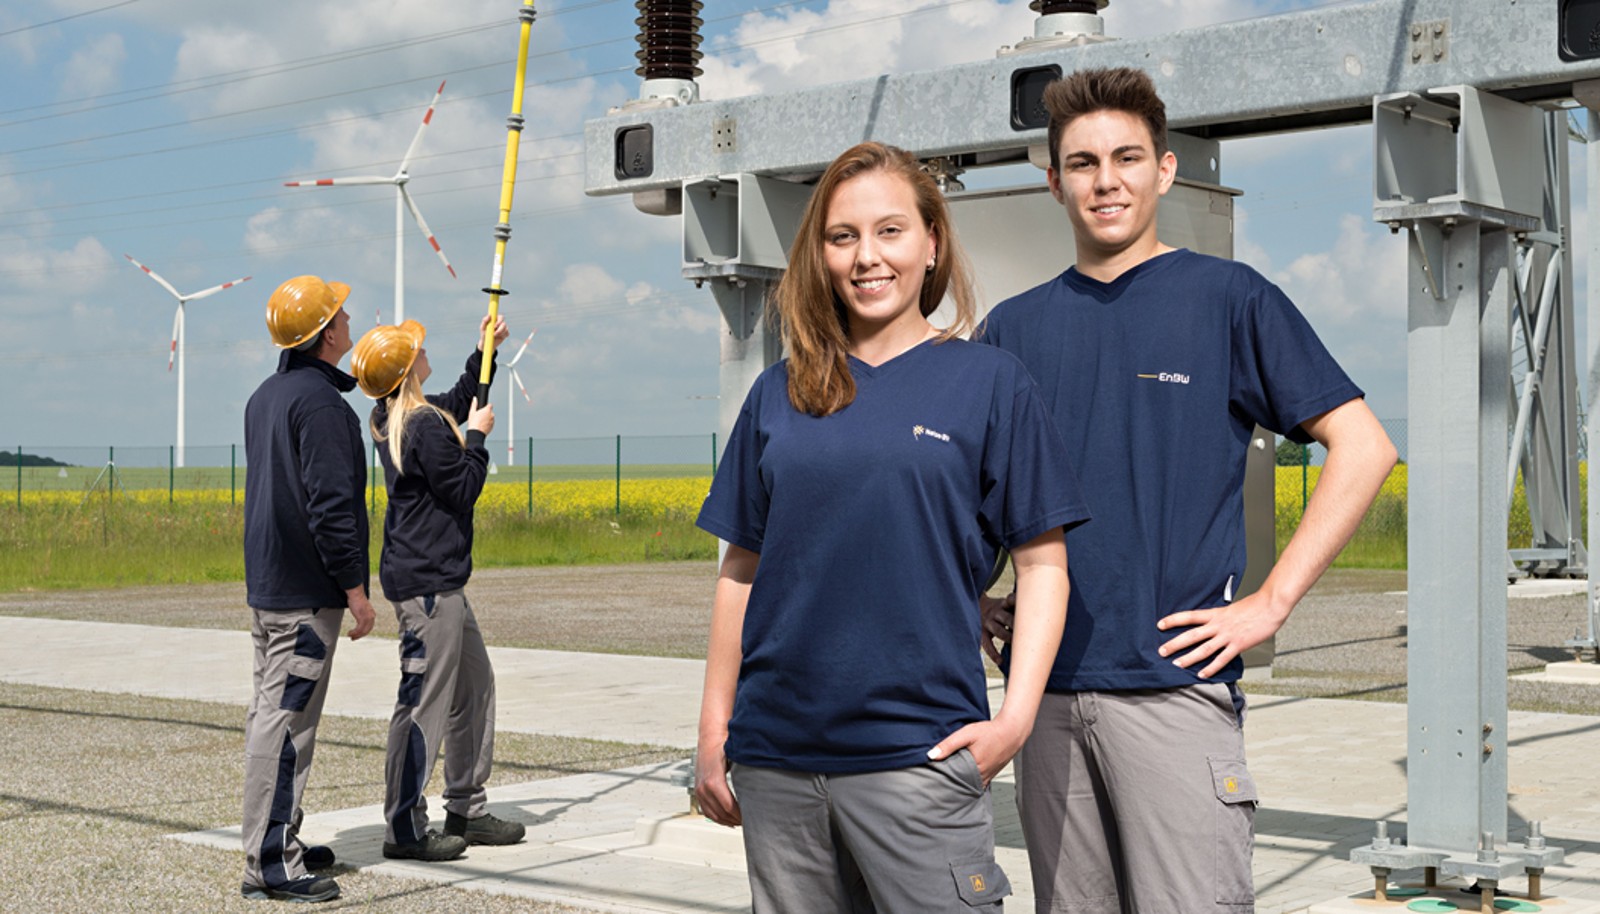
(1456, 622)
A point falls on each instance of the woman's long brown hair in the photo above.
(816, 325)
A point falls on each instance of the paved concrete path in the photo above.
(619, 841)
(653, 700)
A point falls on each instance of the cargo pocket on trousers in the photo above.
(981, 883)
(300, 683)
(413, 669)
(1235, 831)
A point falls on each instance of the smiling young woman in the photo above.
(865, 489)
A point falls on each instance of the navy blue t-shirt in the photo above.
(1157, 380)
(877, 526)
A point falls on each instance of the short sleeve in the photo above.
(1282, 374)
(1029, 486)
(736, 509)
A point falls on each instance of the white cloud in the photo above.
(1362, 276)
(856, 39)
(94, 68)
(64, 272)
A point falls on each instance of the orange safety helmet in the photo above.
(301, 307)
(384, 356)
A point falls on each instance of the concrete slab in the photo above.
(618, 841)
(1365, 903)
(1535, 587)
(652, 700)
(1570, 671)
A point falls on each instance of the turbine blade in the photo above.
(172, 351)
(417, 140)
(524, 390)
(524, 348)
(154, 275)
(423, 224)
(215, 289)
(331, 182)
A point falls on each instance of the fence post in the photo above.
(529, 461)
(1305, 472)
(111, 480)
(619, 474)
(233, 474)
(172, 472)
(713, 453)
(19, 477)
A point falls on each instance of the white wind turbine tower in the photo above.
(402, 202)
(511, 400)
(176, 350)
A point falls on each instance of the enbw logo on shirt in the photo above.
(917, 431)
(1168, 377)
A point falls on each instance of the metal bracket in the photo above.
(725, 135)
(1430, 41)
(1449, 156)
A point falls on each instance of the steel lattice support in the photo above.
(1488, 237)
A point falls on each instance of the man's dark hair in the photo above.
(1114, 89)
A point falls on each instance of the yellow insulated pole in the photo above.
(508, 186)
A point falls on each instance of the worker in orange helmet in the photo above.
(434, 465)
(305, 557)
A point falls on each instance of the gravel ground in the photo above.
(93, 781)
(1348, 639)
(81, 819)
(656, 609)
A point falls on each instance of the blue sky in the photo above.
(165, 129)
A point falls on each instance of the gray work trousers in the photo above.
(1139, 802)
(909, 841)
(293, 659)
(446, 700)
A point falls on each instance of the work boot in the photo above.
(433, 847)
(304, 889)
(485, 829)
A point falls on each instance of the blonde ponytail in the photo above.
(401, 405)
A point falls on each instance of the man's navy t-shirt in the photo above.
(876, 527)
(1157, 380)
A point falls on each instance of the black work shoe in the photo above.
(433, 846)
(486, 829)
(304, 889)
(317, 856)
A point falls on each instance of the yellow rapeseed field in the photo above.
(671, 498)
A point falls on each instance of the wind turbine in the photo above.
(176, 350)
(511, 401)
(402, 202)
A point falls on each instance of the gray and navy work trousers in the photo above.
(293, 658)
(916, 840)
(1139, 802)
(446, 700)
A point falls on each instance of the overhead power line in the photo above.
(177, 87)
(445, 74)
(40, 25)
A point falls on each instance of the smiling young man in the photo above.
(1157, 363)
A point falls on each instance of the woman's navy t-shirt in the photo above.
(877, 526)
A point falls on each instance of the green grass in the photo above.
(517, 540)
(121, 542)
